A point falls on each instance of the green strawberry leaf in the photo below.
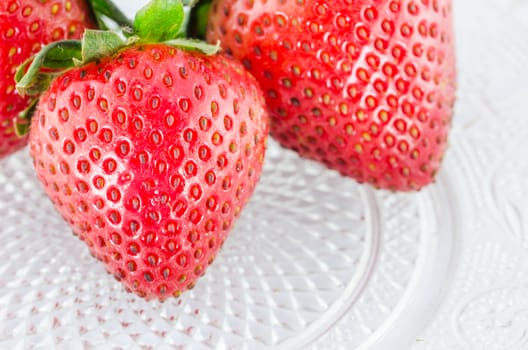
(160, 20)
(195, 45)
(100, 43)
(22, 123)
(31, 81)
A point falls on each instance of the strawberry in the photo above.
(365, 87)
(26, 26)
(150, 153)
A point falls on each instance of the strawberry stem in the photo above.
(190, 3)
(106, 8)
(199, 18)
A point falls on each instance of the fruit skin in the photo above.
(26, 26)
(150, 155)
(365, 87)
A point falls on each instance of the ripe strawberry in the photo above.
(366, 87)
(26, 26)
(150, 154)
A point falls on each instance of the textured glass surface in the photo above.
(310, 247)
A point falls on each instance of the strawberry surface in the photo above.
(365, 87)
(25, 26)
(150, 155)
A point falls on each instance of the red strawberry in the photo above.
(150, 155)
(25, 26)
(366, 87)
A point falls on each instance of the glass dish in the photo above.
(310, 249)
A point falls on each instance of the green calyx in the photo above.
(160, 21)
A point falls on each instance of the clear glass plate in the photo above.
(310, 248)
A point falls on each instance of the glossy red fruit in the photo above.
(366, 87)
(26, 26)
(150, 155)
